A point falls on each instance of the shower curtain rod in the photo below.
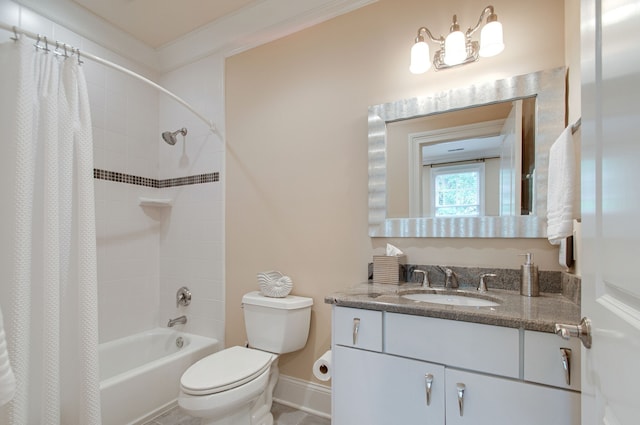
(39, 37)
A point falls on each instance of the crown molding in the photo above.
(257, 24)
(252, 26)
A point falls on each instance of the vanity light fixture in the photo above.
(458, 48)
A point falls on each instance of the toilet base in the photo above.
(255, 412)
(261, 410)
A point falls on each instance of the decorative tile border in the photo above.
(158, 184)
(197, 179)
(124, 178)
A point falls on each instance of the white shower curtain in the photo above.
(48, 270)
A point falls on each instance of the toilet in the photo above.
(235, 386)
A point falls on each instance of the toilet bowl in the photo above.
(235, 386)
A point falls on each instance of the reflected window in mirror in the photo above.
(458, 190)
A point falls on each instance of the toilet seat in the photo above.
(225, 370)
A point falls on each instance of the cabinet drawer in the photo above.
(543, 362)
(357, 328)
(485, 348)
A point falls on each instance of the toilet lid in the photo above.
(225, 370)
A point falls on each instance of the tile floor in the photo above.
(282, 415)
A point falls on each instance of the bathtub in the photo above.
(140, 374)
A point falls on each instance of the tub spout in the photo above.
(178, 320)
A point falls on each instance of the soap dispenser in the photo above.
(529, 285)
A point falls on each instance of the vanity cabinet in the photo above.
(477, 374)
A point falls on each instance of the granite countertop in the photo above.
(514, 310)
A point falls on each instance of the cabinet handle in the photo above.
(566, 364)
(461, 387)
(428, 382)
(356, 328)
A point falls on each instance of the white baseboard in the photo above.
(303, 395)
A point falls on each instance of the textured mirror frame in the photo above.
(549, 89)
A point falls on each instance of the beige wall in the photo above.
(296, 159)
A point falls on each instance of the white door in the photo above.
(511, 162)
(611, 210)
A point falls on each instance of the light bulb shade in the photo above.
(491, 42)
(455, 48)
(420, 61)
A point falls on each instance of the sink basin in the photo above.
(451, 299)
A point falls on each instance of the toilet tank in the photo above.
(276, 325)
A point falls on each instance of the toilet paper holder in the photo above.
(322, 366)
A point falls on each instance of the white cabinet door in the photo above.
(551, 360)
(378, 389)
(489, 400)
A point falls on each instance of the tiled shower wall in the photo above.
(145, 253)
(192, 236)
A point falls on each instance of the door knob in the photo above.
(582, 331)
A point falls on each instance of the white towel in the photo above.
(562, 188)
(7, 380)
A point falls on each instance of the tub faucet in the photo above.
(178, 320)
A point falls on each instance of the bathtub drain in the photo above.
(179, 342)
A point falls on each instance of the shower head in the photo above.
(170, 137)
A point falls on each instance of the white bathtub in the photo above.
(140, 374)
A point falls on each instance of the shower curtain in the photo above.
(48, 287)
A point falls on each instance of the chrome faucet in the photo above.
(178, 320)
(450, 277)
(482, 286)
(426, 283)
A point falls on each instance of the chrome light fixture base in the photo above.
(473, 49)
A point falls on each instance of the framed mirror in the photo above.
(421, 147)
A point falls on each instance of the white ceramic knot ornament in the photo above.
(274, 284)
